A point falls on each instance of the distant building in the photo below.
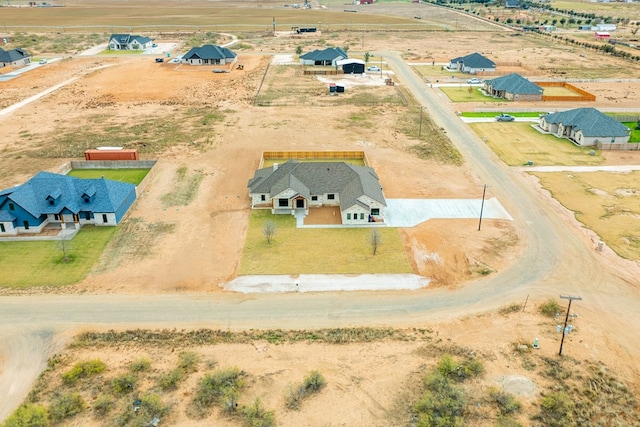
(14, 57)
(604, 27)
(471, 64)
(329, 56)
(601, 35)
(209, 55)
(513, 87)
(129, 42)
(585, 127)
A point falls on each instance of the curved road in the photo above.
(555, 260)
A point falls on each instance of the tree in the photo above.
(298, 50)
(375, 238)
(64, 245)
(367, 56)
(269, 229)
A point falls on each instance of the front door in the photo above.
(300, 203)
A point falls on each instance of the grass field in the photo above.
(493, 114)
(607, 203)
(635, 132)
(132, 176)
(463, 94)
(518, 143)
(40, 263)
(319, 250)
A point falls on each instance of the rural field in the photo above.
(192, 228)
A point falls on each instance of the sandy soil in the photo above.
(205, 248)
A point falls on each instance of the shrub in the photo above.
(102, 405)
(314, 381)
(511, 308)
(83, 370)
(149, 406)
(507, 404)
(448, 368)
(312, 384)
(219, 387)
(188, 361)
(123, 384)
(66, 405)
(550, 308)
(28, 415)
(171, 379)
(140, 365)
(256, 416)
(442, 403)
(556, 410)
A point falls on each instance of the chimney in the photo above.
(275, 167)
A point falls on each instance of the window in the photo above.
(375, 211)
(2, 230)
(331, 196)
(87, 215)
(104, 218)
(12, 207)
(263, 197)
(51, 202)
(314, 198)
(361, 216)
(283, 203)
(56, 217)
(86, 200)
(26, 224)
(348, 216)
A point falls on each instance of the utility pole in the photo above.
(564, 329)
(273, 22)
(484, 191)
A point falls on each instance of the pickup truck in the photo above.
(505, 118)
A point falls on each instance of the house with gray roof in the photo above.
(513, 87)
(14, 57)
(70, 202)
(585, 127)
(129, 42)
(329, 56)
(296, 187)
(209, 55)
(472, 64)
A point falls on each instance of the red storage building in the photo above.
(111, 154)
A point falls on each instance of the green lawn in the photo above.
(132, 176)
(518, 143)
(462, 94)
(319, 250)
(635, 133)
(493, 114)
(40, 263)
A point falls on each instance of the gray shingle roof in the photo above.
(317, 178)
(209, 51)
(128, 38)
(34, 195)
(590, 121)
(12, 55)
(515, 83)
(328, 54)
(475, 60)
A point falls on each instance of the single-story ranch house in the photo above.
(328, 56)
(585, 127)
(129, 42)
(471, 64)
(14, 57)
(295, 187)
(52, 198)
(209, 55)
(513, 87)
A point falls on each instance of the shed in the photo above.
(351, 66)
(602, 35)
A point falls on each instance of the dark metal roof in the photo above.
(12, 55)
(516, 84)
(209, 51)
(328, 54)
(474, 60)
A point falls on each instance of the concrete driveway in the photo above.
(411, 212)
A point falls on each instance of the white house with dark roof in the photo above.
(471, 64)
(513, 87)
(328, 56)
(585, 127)
(294, 186)
(129, 42)
(49, 198)
(209, 55)
(14, 57)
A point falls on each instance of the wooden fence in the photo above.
(322, 72)
(317, 155)
(627, 119)
(626, 147)
(584, 95)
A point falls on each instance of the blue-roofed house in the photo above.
(14, 57)
(129, 42)
(513, 87)
(472, 64)
(296, 187)
(209, 55)
(328, 56)
(49, 198)
(585, 127)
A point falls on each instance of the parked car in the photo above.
(154, 45)
(474, 81)
(505, 118)
(175, 60)
(159, 59)
(373, 68)
(42, 61)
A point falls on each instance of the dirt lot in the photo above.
(204, 248)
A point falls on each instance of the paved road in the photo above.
(555, 260)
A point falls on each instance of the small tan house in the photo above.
(295, 187)
(585, 127)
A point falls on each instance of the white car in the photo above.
(474, 81)
(373, 68)
(42, 61)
